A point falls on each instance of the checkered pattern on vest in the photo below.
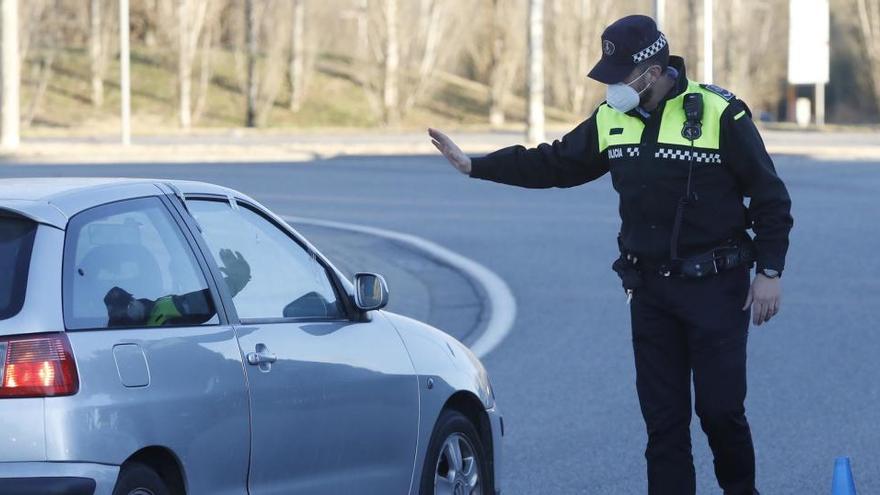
(679, 154)
(651, 50)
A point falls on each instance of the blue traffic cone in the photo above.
(843, 483)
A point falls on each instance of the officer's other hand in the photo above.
(451, 151)
(766, 296)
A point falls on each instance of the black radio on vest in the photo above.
(693, 113)
(692, 130)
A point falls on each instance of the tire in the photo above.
(474, 476)
(139, 479)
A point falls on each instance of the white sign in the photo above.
(808, 47)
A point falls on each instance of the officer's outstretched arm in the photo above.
(567, 162)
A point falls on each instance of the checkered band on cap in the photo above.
(651, 50)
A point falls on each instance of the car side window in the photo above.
(127, 264)
(269, 274)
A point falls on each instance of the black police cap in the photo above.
(627, 43)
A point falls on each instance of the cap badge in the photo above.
(608, 47)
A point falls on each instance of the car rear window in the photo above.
(16, 243)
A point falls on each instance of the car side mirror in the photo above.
(370, 291)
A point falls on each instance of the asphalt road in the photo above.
(565, 376)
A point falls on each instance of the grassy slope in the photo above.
(332, 99)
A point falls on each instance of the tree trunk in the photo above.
(205, 71)
(693, 40)
(390, 94)
(251, 42)
(96, 53)
(184, 65)
(11, 77)
(191, 15)
(45, 75)
(869, 21)
(297, 56)
(535, 126)
(125, 72)
(579, 92)
(431, 28)
(497, 88)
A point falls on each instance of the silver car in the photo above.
(170, 337)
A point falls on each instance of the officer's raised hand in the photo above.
(765, 296)
(451, 151)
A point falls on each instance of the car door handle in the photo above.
(262, 357)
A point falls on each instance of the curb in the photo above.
(502, 305)
(303, 153)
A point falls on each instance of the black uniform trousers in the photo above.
(693, 326)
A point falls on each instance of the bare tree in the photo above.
(251, 47)
(747, 60)
(44, 27)
(263, 64)
(42, 69)
(427, 39)
(869, 23)
(497, 52)
(406, 45)
(191, 15)
(506, 55)
(99, 48)
(273, 50)
(367, 54)
(296, 73)
(205, 67)
(535, 125)
(574, 38)
(390, 92)
(11, 78)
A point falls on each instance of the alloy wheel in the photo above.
(458, 468)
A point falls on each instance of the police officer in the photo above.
(682, 157)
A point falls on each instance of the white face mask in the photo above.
(622, 97)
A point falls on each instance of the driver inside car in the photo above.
(193, 308)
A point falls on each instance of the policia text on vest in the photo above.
(685, 251)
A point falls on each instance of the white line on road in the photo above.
(502, 305)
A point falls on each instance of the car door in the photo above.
(158, 365)
(334, 400)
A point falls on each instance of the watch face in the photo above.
(770, 273)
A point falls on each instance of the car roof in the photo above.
(54, 200)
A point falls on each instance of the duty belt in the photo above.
(703, 265)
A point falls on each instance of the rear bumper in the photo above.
(48, 486)
(57, 478)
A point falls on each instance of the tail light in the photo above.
(37, 366)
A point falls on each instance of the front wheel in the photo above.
(139, 479)
(456, 462)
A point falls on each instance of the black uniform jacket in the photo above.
(649, 195)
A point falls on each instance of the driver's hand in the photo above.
(451, 151)
(236, 269)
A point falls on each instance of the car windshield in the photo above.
(16, 242)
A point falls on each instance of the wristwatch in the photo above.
(769, 272)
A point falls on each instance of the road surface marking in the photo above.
(502, 305)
